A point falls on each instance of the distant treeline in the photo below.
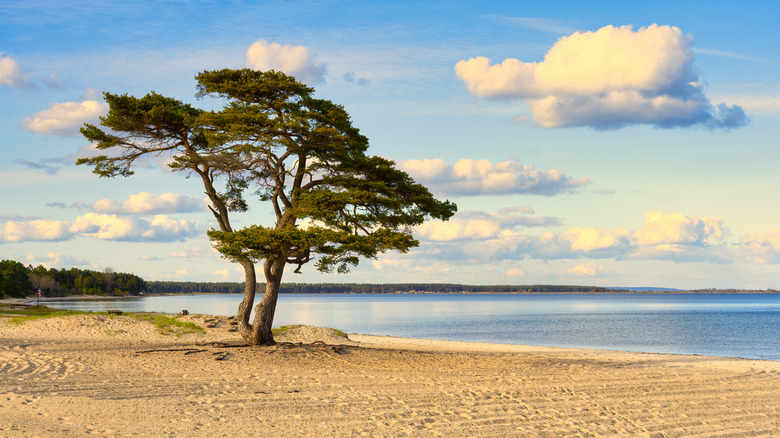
(175, 287)
(19, 281)
(733, 291)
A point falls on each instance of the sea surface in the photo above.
(732, 325)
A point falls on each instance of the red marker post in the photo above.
(39, 297)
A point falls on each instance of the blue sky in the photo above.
(605, 143)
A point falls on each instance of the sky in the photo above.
(608, 143)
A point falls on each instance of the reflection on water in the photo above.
(740, 325)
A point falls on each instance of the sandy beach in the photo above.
(118, 376)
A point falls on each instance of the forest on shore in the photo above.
(20, 281)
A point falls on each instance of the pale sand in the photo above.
(116, 376)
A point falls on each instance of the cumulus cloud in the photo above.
(390, 262)
(55, 259)
(160, 228)
(11, 74)
(224, 273)
(149, 203)
(515, 272)
(112, 227)
(579, 242)
(36, 230)
(475, 225)
(672, 229)
(482, 177)
(427, 266)
(499, 236)
(587, 270)
(763, 247)
(670, 236)
(187, 252)
(292, 60)
(65, 118)
(183, 272)
(606, 79)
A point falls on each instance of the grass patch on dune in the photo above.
(283, 329)
(17, 315)
(287, 328)
(166, 325)
(169, 325)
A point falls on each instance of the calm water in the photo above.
(736, 325)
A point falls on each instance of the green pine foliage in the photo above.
(275, 143)
(14, 280)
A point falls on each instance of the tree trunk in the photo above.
(265, 309)
(245, 308)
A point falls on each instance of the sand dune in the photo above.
(117, 376)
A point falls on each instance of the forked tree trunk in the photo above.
(245, 308)
(259, 332)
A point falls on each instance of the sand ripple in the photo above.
(83, 376)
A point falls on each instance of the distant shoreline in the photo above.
(30, 300)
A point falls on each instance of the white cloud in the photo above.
(590, 239)
(54, 260)
(395, 262)
(515, 272)
(161, 228)
(499, 236)
(148, 203)
(166, 229)
(10, 73)
(476, 225)
(18, 231)
(224, 273)
(587, 270)
(671, 236)
(763, 247)
(183, 272)
(482, 177)
(106, 227)
(606, 79)
(677, 229)
(187, 252)
(65, 118)
(292, 60)
(386, 261)
(579, 242)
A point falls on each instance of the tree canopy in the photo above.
(299, 155)
(19, 281)
(14, 281)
